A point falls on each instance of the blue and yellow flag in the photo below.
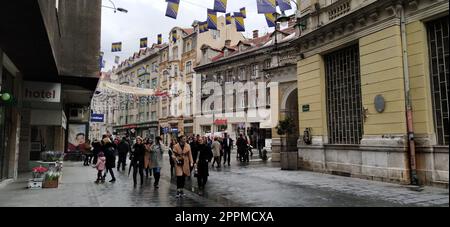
(266, 6)
(116, 47)
(172, 8)
(203, 27)
(160, 39)
(243, 12)
(239, 20)
(228, 18)
(220, 6)
(270, 18)
(174, 36)
(284, 4)
(212, 19)
(144, 42)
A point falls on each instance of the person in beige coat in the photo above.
(182, 156)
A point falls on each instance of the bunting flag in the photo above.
(266, 6)
(220, 6)
(270, 18)
(160, 39)
(239, 20)
(116, 47)
(203, 27)
(174, 36)
(228, 18)
(144, 42)
(284, 4)
(117, 60)
(243, 12)
(172, 8)
(212, 19)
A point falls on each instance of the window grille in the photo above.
(344, 103)
(438, 52)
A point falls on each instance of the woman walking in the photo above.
(147, 144)
(109, 150)
(202, 164)
(156, 158)
(138, 160)
(182, 156)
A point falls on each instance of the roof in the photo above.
(188, 31)
(252, 44)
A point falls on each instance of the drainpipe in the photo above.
(408, 101)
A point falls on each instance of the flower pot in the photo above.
(50, 184)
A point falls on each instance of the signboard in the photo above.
(42, 92)
(98, 118)
(305, 108)
(221, 122)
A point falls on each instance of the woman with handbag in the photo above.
(202, 164)
(182, 157)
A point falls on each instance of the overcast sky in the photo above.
(146, 18)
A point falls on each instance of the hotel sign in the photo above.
(42, 92)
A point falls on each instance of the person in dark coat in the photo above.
(202, 163)
(227, 145)
(194, 149)
(242, 147)
(138, 160)
(171, 161)
(97, 149)
(109, 149)
(123, 149)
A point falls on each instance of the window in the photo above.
(438, 34)
(164, 112)
(175, 70)
(188, 46)
(267, 64)
(188, 67)
(153, 116)
(141, 117)
(255, 71)
(154, 83)
(166, 75)
(175, 53)
(154, 67)
(344, 102)
(242, 73)
(215, 34)
(268, 97)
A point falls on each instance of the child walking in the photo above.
(100, 167)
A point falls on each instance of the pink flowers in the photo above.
(40, 169)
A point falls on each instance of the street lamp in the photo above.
(284, 18)
(115, 9)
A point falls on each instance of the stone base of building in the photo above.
(432, 165)
(382, 159)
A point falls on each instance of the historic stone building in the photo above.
(373, 86)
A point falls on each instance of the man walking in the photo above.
(227, 145)
(123, 148)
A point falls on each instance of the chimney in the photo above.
(227, 43)
(255, 34)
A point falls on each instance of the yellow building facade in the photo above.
(358, 73)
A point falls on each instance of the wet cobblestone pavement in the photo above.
(257, 184)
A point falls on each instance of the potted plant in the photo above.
(51, 180)
(38, 173)
(289, 158)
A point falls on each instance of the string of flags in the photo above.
(266, 7)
